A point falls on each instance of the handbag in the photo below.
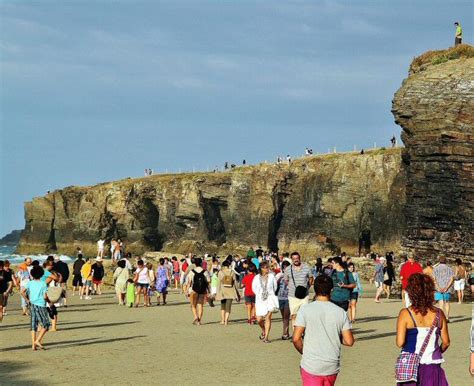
(300, 291)
(54, 294)
(406, 367)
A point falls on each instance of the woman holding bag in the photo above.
(419, 328)
(264, 286)
(226, 291)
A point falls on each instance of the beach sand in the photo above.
(99, 342)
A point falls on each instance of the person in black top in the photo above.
(62, 268)
(259, 252)
(5, 283)
(9, 277)
(98, 273)
(76, 272)
(389, 275)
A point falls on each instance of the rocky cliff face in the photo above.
(317, 205)
(435, 107)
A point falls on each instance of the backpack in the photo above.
(228, 280)
(200, 283)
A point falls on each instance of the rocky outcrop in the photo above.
(435, 108)
(12, 238)
(317, 205)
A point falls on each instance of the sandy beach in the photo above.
(100, 342)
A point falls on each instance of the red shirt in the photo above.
(409, 269)
(247, 283)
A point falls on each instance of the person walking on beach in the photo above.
(142, 281)
(63, 269)
(227, 291)
(197, 288)
(343, 284)
(10, 278)
(443, 278)
(378, 278)
(388, 276)
(121, 277)
(326, 328)
(98, 274)
(23, 277)
(298, 279)
(414, 326)
(264, 286)
(4, 285)
(162, 281)
(460, 280)
(409, 268)
(355, 294)
(249, 295)
(175, 263)
(76, 274)
(35, 295)
(283, 304)
(86, 274)
(458, 36)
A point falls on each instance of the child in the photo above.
(249, 295)
(130, 292)
(35, 295)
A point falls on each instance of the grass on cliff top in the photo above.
(432, 58)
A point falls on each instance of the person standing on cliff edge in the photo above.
(458, 37)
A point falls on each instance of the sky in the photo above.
(93, 91)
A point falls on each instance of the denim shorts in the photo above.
(283, 304)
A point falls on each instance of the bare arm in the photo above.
(298, 338)
(445, 341)
(347, 338)
(401, 328)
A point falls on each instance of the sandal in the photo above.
(262, 336)
(285, 337)
(266, 341)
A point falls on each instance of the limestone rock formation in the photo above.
(317, 205)
(435, 107)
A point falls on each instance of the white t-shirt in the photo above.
(100, 244)
(324, 323)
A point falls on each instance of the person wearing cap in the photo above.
(458, 37)
(97, 275)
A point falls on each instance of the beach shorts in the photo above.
(354, 296)
(97, 281)
(88, 283)
(459, 285)
(296, 303)
(442, 296)
(344, 304)
(77, 281)
(176, 275)
(143, 285)
(378, 284)
(317, 380)
(196, 298)
(283, 304)
(39, 316)
(249, 299)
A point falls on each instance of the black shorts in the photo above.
(344, 305)
(77, 281)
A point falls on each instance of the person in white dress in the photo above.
(264, 286)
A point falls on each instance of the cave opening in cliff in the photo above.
(213, 219)
(52, 238)
(365, 243)
(273, 227)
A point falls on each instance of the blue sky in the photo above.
(97, 90)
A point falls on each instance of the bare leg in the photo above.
(285, 316)
(249, 312)
(447, 306)
(261, 323)
(33, 340)
(164, 298)
(200, 311)
(268, 325)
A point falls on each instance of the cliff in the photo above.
(317, 205)
(435, 107)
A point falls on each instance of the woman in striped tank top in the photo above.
(413, 326)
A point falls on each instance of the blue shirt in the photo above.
(339, 294)
(36, 291)
(45, 276)
(256, 262)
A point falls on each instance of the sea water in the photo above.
(7, 252)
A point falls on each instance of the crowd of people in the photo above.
(268, 283)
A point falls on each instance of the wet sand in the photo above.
(99, 342)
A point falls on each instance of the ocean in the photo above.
(7, 253)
